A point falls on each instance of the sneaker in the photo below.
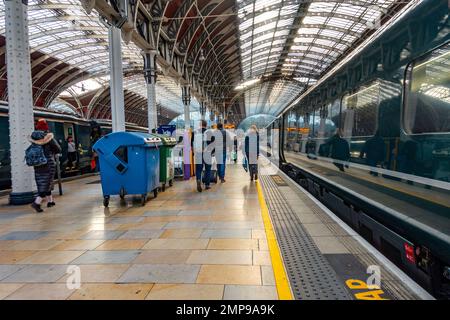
(207, 187)
(222, 180)
(256, 176)
(51, 204)
(199, 186)
(36, 207)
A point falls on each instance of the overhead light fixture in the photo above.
(202, 55)
(246, 84)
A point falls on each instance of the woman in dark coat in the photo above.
(251, 150)
(45, 174)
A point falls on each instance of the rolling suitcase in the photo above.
(213, 176)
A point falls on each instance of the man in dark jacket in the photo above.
(375, 151)
(339, 150)
(251, 150)
(202, 158)
(221, 152)
(45, 174)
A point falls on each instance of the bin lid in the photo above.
(165, 139)
(116, 139)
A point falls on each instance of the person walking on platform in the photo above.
(235, 149)
(71, 154)
(45, 173)
(199, 143)
(221, 151)
(251, 149)
(375, 151)
(339, 150)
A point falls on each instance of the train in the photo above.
(394, 90)
(62, 125)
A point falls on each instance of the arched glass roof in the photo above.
(285, 46)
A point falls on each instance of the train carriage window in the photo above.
(360, 111)
(427, 94)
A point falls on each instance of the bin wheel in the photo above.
(170, 182)
(122, 193)
(163, 187)
(106, 201)
(143, 199)
(155, 192)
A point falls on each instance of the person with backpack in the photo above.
(222, 148)
(251, 152)
(202, 156)
(41, 155)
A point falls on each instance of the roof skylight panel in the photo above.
(262, 4)
(339, 22)
(266, 27)
(314, 20)
(265, 16)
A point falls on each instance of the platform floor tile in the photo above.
(99, 273)
(41, 291)
(230, 274)
(233, 244)
(8, 288)
(37, 273)
(239, 292)
(107, 257)
(186, 244)
(172, 256)
(238, 257)
(52, 257)
(111, 291)
(122, 244)
(142, 234)
(24, 235)
(160, 273)
(7, 270)
(186, 292)
(192, 233)
(227, 233)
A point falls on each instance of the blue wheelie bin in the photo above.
(129, 164)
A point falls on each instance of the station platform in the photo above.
(238, 240)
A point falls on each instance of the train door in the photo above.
(58, 129)
(5, 162)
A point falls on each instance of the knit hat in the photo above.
(42, 125)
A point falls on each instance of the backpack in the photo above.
(34, 155)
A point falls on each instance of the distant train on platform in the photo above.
(63, 126)
(396, 91)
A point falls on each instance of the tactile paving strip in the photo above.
(310, 274)
(390, 284)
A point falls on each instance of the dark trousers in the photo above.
(221, 167)
(199, 170)
(71, 158)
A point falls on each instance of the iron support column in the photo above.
(186, 97)
(116, 80)
(20, 99)
(150, 78)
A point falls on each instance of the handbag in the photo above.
(245, 164)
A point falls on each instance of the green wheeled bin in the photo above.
(166, 165)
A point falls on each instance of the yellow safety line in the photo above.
(281, 279)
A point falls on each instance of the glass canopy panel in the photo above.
(64, 31)
(323, 31)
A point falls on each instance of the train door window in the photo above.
(332, 117)
(359, 114)
(427, 94)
